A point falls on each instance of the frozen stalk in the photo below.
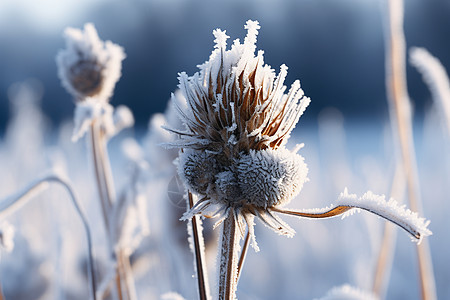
(229, 256)
(89, 69)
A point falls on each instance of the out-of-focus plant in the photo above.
(233, 153)
(16, 201)
(402, 127)
(89, 69)
(436, 78)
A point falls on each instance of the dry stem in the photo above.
(243, 255)
(387, 248)
(200, 266)
(104, 181)
(401, 119)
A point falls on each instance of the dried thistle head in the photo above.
(89, 67)
(239, 118)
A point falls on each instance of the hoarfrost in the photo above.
(389, 210)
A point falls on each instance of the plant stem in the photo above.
(98, 170)
(243, 255)
(199, 255)
(228, 270)
(104, 181)
(387, 247)
(400, 112)
(125, 261)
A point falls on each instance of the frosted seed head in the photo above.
(271, 177)
(89, 67)
(198, 170)
(86, 77)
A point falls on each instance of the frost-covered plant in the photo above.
(436, 78)
(234, 156)
(14, 202)
(89, 69)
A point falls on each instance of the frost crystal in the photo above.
(389, 210)
(271, 177)
(89, 67)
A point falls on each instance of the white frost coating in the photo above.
(89, 110)
(347, 292)
(240, 69)
(134, 226)
(88, 66)
(122, 118)
(271, 177)
(389, 210)
(435, 77)
(171, 296)
(7, 236)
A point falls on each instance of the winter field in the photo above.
(91, 208)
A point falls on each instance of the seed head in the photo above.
(89, 67)
(239, 121)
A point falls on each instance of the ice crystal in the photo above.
(389, 210)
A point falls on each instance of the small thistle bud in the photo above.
(89, 67)
(271, 177)
(198, 170)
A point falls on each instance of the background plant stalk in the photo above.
(401, 120)
(105, 186)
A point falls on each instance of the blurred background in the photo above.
(334, 47)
